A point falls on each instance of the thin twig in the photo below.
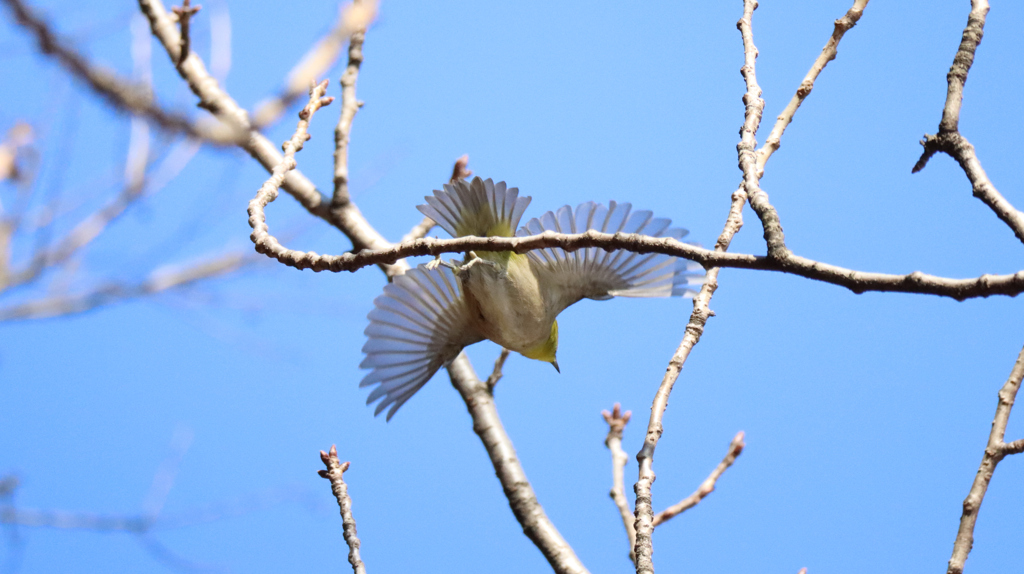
(335, 473)
(349, 106)
(316, 61)
(496, 374)
(184, 14)
(120, 93)
(265, 242)
(951, 142)
(521, 497)
(747, 148)
(706, 487)
(349, 220)
(644, 510)
(828, 53)
(617, 421)
(995, 451)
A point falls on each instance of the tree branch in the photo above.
(348, 220)
(335, 473)
(995, 451)
(747, 148)
(617, 421)
(644, 510)
(950, 142)
(316, 61)
(828, 53)
(521, 497)
(119, 93)
(160, 280)
(349, 106)
(856, 281)
(706, 487)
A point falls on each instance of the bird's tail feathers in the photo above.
(481, 207)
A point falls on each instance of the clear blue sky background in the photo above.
(866, 416)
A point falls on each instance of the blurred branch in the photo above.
(706, 487)
(335, 473)
(617, 421)
(184, 15)
(949, 141)
(995, 451)
(160, 280)
(355, 17)
(119, 93)
(82, 234)
(828, 53)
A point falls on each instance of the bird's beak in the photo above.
(555, 365)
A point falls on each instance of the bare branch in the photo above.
(316, 62)
(995, 451)
(266, 243)
(617, 421)
(828, 53)
(949, 140)
(348, 219)
(120, 93)
(335, 473)
(856, 281)
(349, 106)
(706, 487)
(496, 374)
(521, 497)
(644, 510)
(184, 14)
(160, 280)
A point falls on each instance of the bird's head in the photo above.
(547, 349)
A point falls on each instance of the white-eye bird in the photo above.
(428, 315)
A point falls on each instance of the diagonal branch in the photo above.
(120, 93)
(349, 220)
(995, 451)
(644, 510)
(828, 53)
(706, 487)
(521, 497)
(950, 142)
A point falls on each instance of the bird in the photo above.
(426, 316)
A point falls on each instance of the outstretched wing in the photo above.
(596, 273)
(482, 208)
(417, 325)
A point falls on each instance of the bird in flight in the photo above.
(427, 316)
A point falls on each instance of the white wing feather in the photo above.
(600, 274)
(417, 325)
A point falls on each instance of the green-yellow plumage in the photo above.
(426, 317)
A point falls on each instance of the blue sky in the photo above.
(865, 416)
